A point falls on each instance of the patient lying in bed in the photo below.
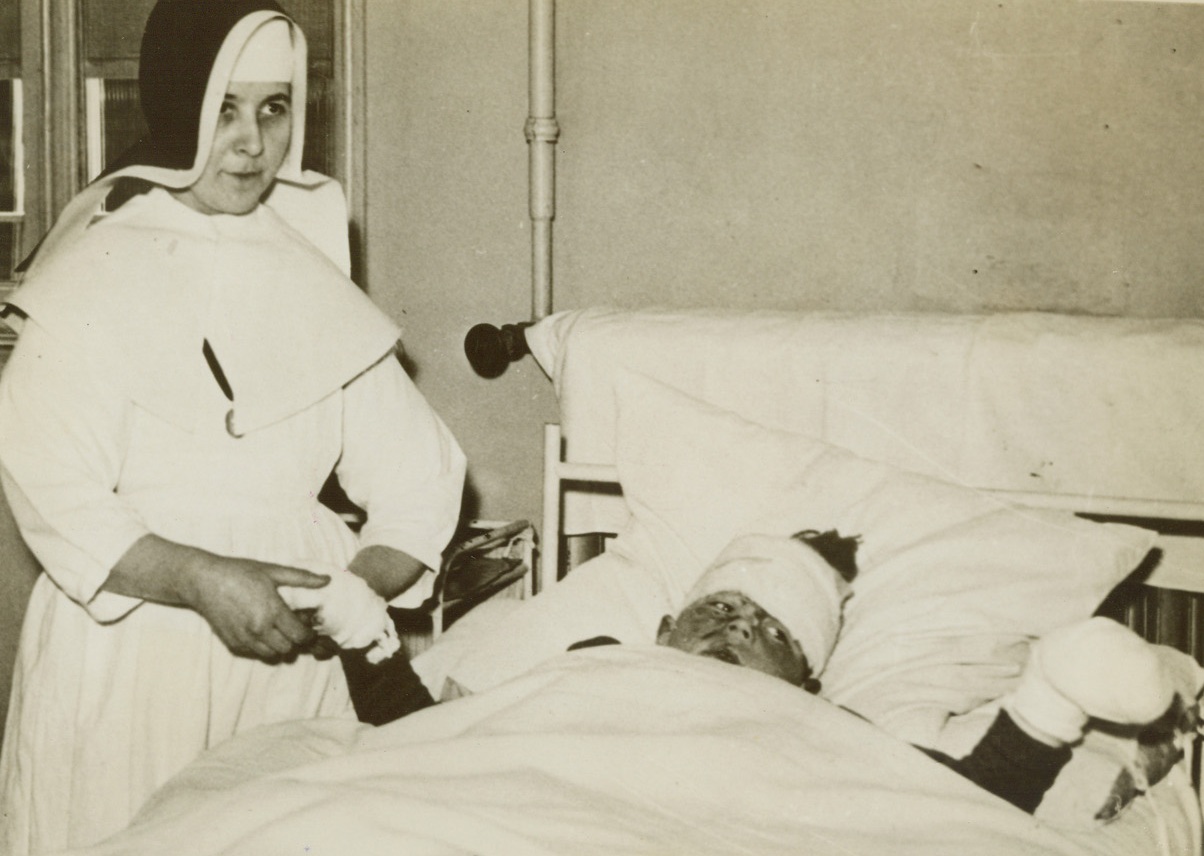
(773, 604)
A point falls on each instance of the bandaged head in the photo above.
(790, 581)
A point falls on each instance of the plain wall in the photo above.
(447, 232)
(941, 155)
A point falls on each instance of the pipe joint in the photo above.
(543, 130)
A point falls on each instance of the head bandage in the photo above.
(267, 57)
(790, 581)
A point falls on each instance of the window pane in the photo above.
(319, 125)
(10, 38)
(122, 117)
(11, 170)
(316, 18)
(8, 148)
(10, 233)
(113, 30)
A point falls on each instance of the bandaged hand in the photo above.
(1095, 668)
(1187, 676)
(347, 611)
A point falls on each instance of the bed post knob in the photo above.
(490, 349)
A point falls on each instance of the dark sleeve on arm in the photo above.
(1010, 764)
(593, 642)
(392, 689)
(385, 691)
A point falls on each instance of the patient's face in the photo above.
(731, 627)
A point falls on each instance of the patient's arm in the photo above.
(1010, 763)
(1094, 668)
(238, 597)
(383, 692)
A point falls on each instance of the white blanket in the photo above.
(615, 750)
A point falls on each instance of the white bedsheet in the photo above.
(617, 750)
(1023, 401)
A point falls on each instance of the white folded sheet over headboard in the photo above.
(1028, 401)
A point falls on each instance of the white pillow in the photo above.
(953, 582)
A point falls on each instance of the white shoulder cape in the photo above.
(141, 290)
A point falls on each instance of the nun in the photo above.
(193, 363)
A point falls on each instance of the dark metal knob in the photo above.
(490, 349)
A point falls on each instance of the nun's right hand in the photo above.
(239, 599)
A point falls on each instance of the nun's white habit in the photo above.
(114, 425)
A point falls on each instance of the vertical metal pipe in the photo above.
(350, 124)
(542, 133)
(549, 543)
(64, 105)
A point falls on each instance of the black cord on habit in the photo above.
(216, 368)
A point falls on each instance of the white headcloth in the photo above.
(267, 56)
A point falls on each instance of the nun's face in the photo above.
(249, 146)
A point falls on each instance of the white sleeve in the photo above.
(402, 465)
(62, 439)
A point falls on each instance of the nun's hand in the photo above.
(239, 599)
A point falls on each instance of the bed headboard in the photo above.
(1089, 414)
(1025, 402)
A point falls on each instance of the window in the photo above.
(11, 154)
(11, 189)
(69, 102)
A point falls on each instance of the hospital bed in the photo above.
(1006, 475)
